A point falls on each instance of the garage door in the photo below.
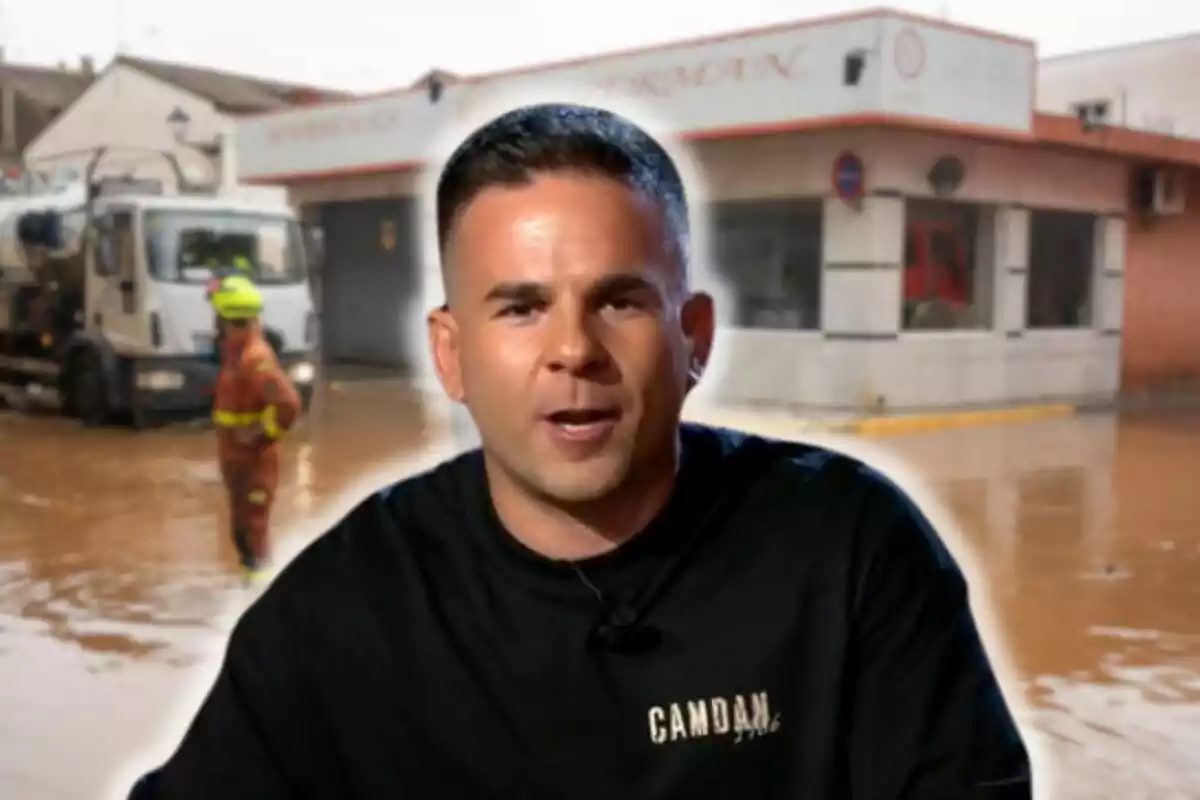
(370, 276)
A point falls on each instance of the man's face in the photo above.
(568, 334)
(237, 332)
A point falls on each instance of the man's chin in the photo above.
(582, 482)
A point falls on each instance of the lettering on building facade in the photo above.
(379, 121)
(783, 65)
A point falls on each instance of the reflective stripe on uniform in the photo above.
(270, 425)
(236, 419)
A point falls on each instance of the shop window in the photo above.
(1062, 247)
(768, 254)
(948, 265)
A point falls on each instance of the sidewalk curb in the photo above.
(780, 426)
(367, 383)
(914, 423)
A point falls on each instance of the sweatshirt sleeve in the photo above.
(928, 718)
(256, 736)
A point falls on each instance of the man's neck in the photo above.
(572, 532)
(234, 345)
(234, 348)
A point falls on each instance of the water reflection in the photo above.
(111, 551)
(115, 568)
(1086, 533)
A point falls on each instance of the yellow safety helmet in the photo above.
(242, 264)
(236, 297)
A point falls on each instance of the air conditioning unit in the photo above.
(1169, 192)
(1161, 191)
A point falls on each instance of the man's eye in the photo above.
(518, 310)
(623, 304)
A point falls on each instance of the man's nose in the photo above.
(573, 346)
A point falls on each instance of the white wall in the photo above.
(756, 79)
(897, 160)
(1150, 86)
(126, 109)
(856, 366)
(862, 357)
(229, 175)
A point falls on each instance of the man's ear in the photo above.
(698, 319)
(444, 346)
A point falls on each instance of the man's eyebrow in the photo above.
(620, 283)
(530, 291)
(510, 291)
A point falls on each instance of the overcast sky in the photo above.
(364, 45)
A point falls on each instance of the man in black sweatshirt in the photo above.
(601, 602)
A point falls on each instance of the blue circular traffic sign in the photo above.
(848, 176)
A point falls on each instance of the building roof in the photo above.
(445, 76)
(1061, 130)
(231, 92)
(1157, 46)
(53, 88)
(1055, 131)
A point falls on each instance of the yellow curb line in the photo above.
(789, 427)
(365, 383)
(911, 423)
(772, 426)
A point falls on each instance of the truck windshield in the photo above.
(193, 246)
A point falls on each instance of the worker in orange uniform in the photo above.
(254, 405)
(242, 268)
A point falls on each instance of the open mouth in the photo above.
(584, 424)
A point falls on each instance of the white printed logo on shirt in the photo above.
(744, 717)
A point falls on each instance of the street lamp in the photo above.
(178, 122)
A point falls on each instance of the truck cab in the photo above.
(133, 332)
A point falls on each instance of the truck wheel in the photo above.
(89, 389)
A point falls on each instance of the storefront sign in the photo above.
(766, 80)
(713, 73)
(849, 177)
(314, 128)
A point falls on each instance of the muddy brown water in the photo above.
(117, 582)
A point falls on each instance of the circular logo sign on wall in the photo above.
(849, 177)
(908, 52)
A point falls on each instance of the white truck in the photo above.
(103, 307)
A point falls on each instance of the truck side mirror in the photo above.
(41, 229)
(52, 230)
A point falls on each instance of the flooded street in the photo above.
(117, 582)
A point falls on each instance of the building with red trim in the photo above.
(1142, 85)
(896, 223)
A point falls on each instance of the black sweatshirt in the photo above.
(789, 627)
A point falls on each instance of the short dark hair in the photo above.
(512, 148)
